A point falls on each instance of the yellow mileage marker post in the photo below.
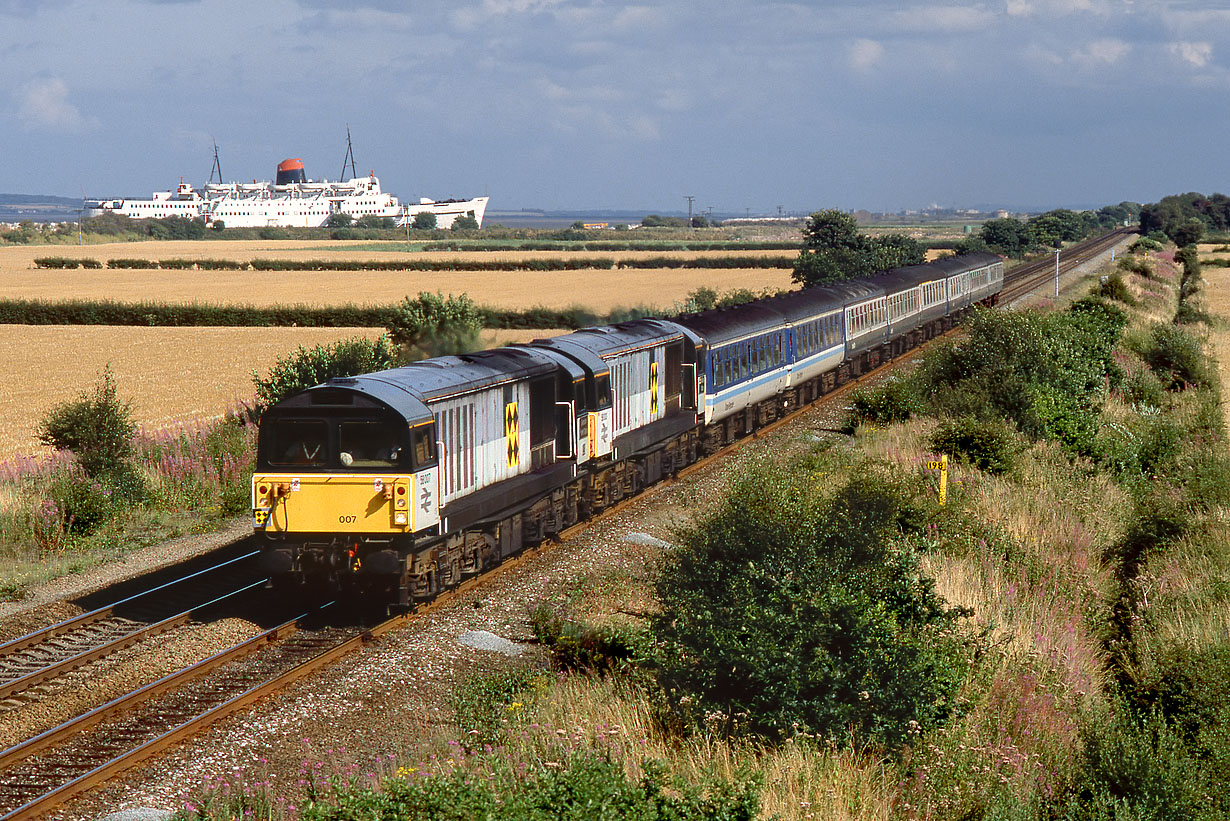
(941, 465)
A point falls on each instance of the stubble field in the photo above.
(170, 375)
(181, 374)
(599, 290)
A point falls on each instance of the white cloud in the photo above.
(43, 103)
(1019, 8)
(1195, 54)
(945, 19)
(864, 54)
(1108, 52)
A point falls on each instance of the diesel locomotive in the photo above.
(402, 483)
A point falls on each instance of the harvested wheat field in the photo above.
(598, 290)
(169, 374)
(1216, 297)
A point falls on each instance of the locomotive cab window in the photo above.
(370, 443)
(423, 441)
(299, 442)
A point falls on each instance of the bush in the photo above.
(483, 704)
(307, 367)
(1176, 355)
(1136, 265)
(424, 221)
(77, 504)
(434, 325)
(97, 427)
(576, 646)
(989, 445)
(786, 611)
(571, 785)
(1113, 287)
(895, 400)
(1135, 768)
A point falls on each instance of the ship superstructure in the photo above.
(290, 201)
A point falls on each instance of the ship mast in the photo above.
(217, 166)
(349, 156)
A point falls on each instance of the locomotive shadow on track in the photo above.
(255, 605)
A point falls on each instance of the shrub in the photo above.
(788, 610)
(1139, 768)
(1144, 244)
(989, 445)
(77, 504)
(895, 400)
(97, 427)
(1176, 355)
(424, 221)
(562, 784)
(483, 704)
(584, 647)
(1136, 265)
(307, 367)
(433, 325)
(1113, 287)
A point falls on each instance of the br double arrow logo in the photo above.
(653, 388)
(510, 433)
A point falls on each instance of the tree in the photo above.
(1188, 232)
(1008, 236)
(833, 250)
(832, 228)
(424, 221)
(466, 222)
(374, 221)
(896, 251)
(339, 220)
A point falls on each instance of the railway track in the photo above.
(1032, 276)
(41, 657)
(51, 768)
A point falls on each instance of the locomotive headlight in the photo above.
(399, 517)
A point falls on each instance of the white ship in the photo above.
(290, 201)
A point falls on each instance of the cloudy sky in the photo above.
(596, 103)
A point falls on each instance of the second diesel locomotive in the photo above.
(401, 483)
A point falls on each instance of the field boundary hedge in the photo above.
(151, 314)
(579, 264)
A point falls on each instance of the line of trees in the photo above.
(1185, 218)
(834, 250)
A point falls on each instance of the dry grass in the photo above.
(598, 290)
(169, 374)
